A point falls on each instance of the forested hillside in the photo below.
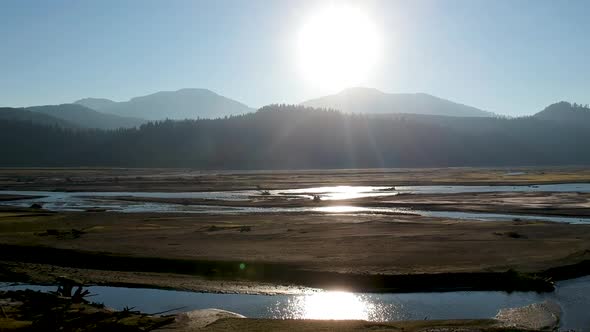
(284, 137)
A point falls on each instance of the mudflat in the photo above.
(235, 324)
(313, 250)
(270, 253)
(533, 203)
(256, 252)
(172, 180)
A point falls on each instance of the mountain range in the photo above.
(203, 103)
(24, 115)
(100, 113)
(85, 117)
(288, 137)
(367, 100)
(176, 105)
(69, 116)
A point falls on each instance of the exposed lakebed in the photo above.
(233, 201)
(573, 295)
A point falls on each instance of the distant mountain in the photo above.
(367, 100)
(85, 117)
(566, 113)
(22, 115)
(181, 104)
(95, 103)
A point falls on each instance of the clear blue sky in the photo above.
(507, 56)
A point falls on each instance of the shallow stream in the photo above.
(81, 201)
(572, 295)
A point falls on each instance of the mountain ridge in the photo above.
(195, 103)
(85, 117)
(567, 113)
(94, 103)
(371, 100)
(297, 137)
(20, 114)
(186, 103)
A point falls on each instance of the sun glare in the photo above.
(334, 305)
(338, 47)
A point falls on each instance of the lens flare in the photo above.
(338, 46)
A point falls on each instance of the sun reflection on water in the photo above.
(341, 209)
(359, 209)
(341, 192)
(335, 305)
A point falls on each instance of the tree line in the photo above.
(289, 137)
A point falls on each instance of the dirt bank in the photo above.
(236, 324)
(348, 251)
(170, 180)
(5, 198)
(534, 203)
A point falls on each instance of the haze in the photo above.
(511, 58)
(294, 165)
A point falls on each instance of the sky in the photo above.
(511, 57)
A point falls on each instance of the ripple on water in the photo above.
(573, 296)
(80, 201)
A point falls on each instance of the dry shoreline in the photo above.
(365, 253)
(8, 198)
(175, 180)
(255, 278)
(235, 324)
(289, 253)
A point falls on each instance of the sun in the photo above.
(338, 47)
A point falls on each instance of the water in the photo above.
(515, 173)
(338, 192)
(326, 193)
(500, 216)
(136, 207)
(561, 187)
(80, 201)
(573, 296)
(351, 192)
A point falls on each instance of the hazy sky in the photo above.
(505, 56)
